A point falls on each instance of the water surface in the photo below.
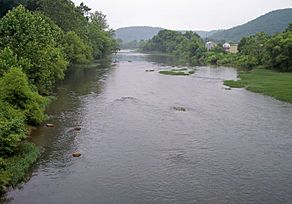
(227, 147)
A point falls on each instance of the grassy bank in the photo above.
(267, 82)
(14, 169)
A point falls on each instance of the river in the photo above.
(228, 146)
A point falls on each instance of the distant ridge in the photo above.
(138, 33)
(128, 34)
(270, 23)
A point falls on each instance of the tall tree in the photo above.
(34, 37)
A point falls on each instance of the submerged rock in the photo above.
(182, 109)
(149, 70)
(76, 154)
(77, 128)
(228, 88)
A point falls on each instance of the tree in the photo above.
(66, 15)
(254, 46)
(34, 37)
(279, 50)
(12, 129)
(99, 19)
(289, 28)
(100, 37)
(76, 50)
(16, 91)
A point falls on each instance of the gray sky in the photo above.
(183, 14)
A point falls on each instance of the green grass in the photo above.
(14, 169)
(181, 69)
(268, 82)
(234, 84)
(171, 72)
(179, 72)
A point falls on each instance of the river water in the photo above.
(228, 146)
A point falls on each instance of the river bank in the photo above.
(268, 82)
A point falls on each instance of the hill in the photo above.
(138, 33)
(270, 23)
(129, 34)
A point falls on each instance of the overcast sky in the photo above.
(183, 14)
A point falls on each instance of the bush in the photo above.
(16, 91)
(12, 128)
(13, 169)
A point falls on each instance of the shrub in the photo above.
(12, 128)
(16, 91)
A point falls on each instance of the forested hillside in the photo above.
(270, 23)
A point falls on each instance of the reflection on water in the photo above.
(138, 147)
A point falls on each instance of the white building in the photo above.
(209, 45)
(226, 46)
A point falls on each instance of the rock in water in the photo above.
(77, 128)
(50, 125)
(76, 154)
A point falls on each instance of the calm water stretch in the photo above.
(228, 146)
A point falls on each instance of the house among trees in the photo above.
(232, 48)
(209, 45)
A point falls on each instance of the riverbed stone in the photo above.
(76, 154)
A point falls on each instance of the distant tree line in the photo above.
(38, 41)
(274, 52)
(188, 46)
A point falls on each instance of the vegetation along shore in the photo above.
(266, 60)
(39, 40)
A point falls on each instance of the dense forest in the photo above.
(39, 39)
(270, 23)
(272, 52)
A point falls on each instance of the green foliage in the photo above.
(9, 60)
(12, 128)
(188, 46)
(16, 91)
(76, 50)
(130, 45)
(34, 54)
(234, 84)
(34, 37)
(254, 46)
(230, 59)
(174, 72)
(289, 28)
(13, 169)
(279, 51)
(18, 165)
(66, 15)
(101, 41)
